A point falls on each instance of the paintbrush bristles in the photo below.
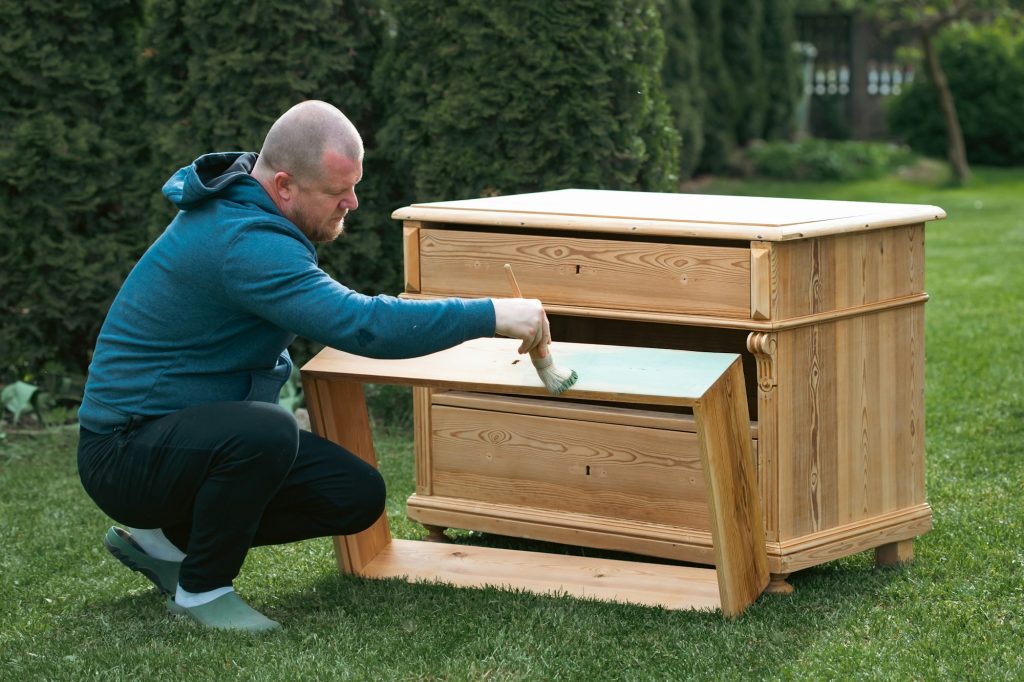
(556, 380)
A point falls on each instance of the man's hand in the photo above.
(522, 318)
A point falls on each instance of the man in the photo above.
(181, 437)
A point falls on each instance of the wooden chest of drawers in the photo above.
(824, 300)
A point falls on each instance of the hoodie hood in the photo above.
(222, 174)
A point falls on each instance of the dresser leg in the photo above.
(895, 553)
(435, 533)
(778, 585)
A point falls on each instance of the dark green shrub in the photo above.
(781, 69)
(985, 69)
(498, 98)
(742, 26)
(719, 108)
(680, 74)
(817, 159)
(219, 74)
(70, 214)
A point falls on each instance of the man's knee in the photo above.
(365, 506)
(270, 434)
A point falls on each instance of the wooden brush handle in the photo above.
(516, 293)
(536, 353)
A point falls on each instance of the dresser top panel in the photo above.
(673, 215)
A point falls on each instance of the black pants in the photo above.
(221, 478)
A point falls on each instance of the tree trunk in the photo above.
(957, 153)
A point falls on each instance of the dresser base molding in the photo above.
(666, 542)
(817, 548)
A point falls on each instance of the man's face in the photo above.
(319, 205)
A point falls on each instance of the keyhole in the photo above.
(588, 470)
(577, 269)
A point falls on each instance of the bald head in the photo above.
(299, 139)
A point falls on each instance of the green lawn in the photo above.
(68, 610)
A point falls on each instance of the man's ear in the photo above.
(284, 185)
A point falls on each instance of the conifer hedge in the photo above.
(742, 27)
(984, 66)
(719, 108)
(682, 80)
(519, 96)
(781, 69)
(69, 155)
(102, 101)
(219, 74)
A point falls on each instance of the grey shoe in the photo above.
(226, 612)
(163, 574)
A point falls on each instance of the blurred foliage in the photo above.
(680, 72)
(520, 96)
(105, 100)
(816, 159)
(984, 65)
(70, 155)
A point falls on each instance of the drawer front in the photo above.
(612, 470)
(597, 273)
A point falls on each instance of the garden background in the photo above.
(102, 101)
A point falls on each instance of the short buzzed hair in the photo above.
(297, 141)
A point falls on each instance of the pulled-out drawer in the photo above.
(621, 274)
(578, 473)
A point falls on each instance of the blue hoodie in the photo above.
(207, 313)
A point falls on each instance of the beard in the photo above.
(318, 232)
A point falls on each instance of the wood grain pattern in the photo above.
(673, 215)
(650, 334)
(846, 271)
(421, 399)
(592, 468)
(651, 376)
(585, 530)
(411, 248)
(670, 587)
(875, 531)
(853, 436)
(763, 347)
(895, 553)
(637, 275)
(832, 341)
(733, 504)
(338, 413)
(577, 411)
(761, 281)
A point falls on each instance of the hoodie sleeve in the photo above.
(270, 273)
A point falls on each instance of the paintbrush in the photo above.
(556, 380)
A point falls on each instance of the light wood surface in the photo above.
(895, 553)
(421, 398)
(411, 246)
(871, 532)
(717, 322)
(630, 375)
(670, 587)
(673, 215)
(578, 411)
(830, 326)
(643, 275)
(849, 271)
(603, 469)
(337, 411)
(611, 469)
(761, 272)
(853, 431)
(731, 482)
(643, 538)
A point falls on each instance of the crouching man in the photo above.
(182, 440)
